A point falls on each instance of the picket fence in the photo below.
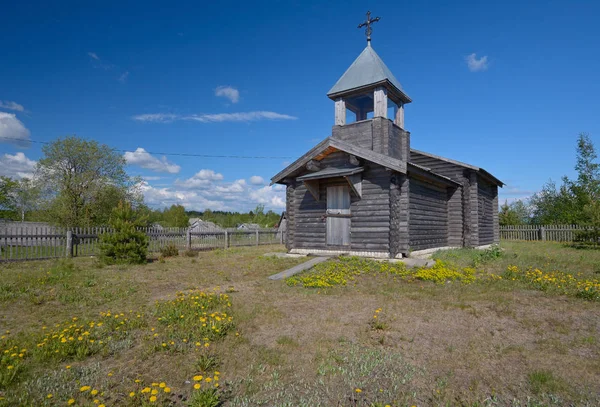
(552, 233)
(27, 243)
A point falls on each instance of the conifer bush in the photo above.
(125, 244)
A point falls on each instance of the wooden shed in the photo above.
(364, 191)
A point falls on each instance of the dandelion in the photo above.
(146, 390)
(49, 396)
(68, 367)
(101, 405)
(197, 378)
(167, 390)
(132, 394)
(197, 386)
(71, 402)
(154, 392)
(162, 384)
(152, 399)
(84, 388)
(358, 390)
(94, 392)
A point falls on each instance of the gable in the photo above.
(330, 146)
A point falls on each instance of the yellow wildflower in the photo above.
(71, 402)
(197, 386)
(152, 399)
(132, 394)
(84, 388)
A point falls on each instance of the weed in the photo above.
(190, 253)
(207, 361)
(543, 381)
(169, 250)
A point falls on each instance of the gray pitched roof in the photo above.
(369, 155)
(461, 164)
(367, 69)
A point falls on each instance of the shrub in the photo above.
(191, 253)
(125, 243)
(169, 250)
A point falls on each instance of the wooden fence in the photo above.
(23, 243)
(552, 233)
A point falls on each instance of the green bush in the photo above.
(169, 250)
(125, 244)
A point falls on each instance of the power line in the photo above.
(261, 157)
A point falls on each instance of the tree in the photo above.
(175, 216)
(125, 243)
(8, 187)
(26, 196)
(85, 179)
(566, 204)
(508, 216)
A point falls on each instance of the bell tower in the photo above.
(372, 93)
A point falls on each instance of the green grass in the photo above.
(435, 341)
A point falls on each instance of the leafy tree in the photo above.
(85, 181)
(8, 187)
(566, 204)
(126, 243)
(175, 216)
(26, 196)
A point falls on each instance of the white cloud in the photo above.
(257, 180)
(272, 196)
(142, 158)
(13, 131)
(228, 92)
(123, 77)
(476, 65)
(17, 166)
(213, 118)
(207, 189)
(202, 179)
(10, 105)
(239, 185)
(156, 117)
(93, 55)
(151, 178)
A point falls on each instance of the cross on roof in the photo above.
(367, 24)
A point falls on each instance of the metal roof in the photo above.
(366, 70)
(331, 172)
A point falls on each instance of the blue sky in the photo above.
(503, 85)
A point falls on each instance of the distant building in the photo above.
(248, 226)
(199, 225)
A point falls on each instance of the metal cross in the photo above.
(367, 24)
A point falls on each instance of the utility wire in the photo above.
(262, 157)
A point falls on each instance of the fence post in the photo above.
(542, 233)
(188, 240)
(226, 239)
(257, 237)
(69, 249)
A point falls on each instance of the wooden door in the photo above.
(338, 216)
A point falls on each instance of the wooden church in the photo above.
(363, 190)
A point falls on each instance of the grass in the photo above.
(378, 335)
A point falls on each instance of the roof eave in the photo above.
(398, 93)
